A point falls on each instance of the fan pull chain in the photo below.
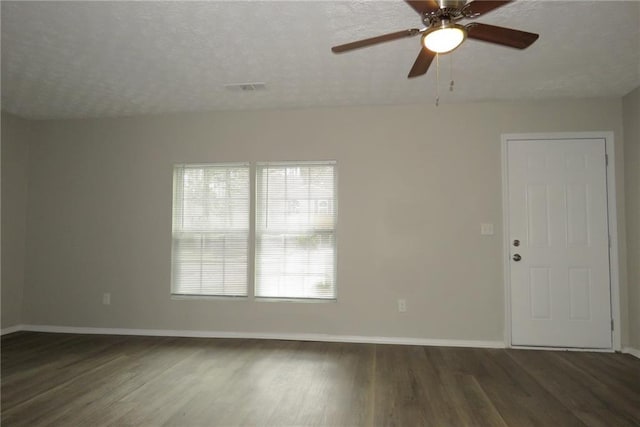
(451, 73)
(437, 79)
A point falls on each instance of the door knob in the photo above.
(517, 257)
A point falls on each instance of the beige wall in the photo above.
(16, 135)
(631, 111)
(415, 183)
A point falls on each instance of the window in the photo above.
(294, 214)
(210, 229)
(295, 238)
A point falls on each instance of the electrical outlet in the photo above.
(402, 305)
(106, 298)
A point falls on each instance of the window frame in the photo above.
(248, 230)
(251, 271)
(333, 232)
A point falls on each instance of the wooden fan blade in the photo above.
(422, 63)
(501, 35)
(422, 6)
(483, 6)
(375, 40)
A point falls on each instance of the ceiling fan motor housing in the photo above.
(451, 4)
(450, 10)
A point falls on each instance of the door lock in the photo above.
(516, 243)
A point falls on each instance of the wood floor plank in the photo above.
(113, 388)
(324, 374)
(71, 361)
(409, 389)
(515, 393)
(593, 402)
(618, 371)
(462, 390)
(92, 380)
(221, 365)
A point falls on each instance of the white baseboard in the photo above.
(264, 335)
(12, 329)
(632, 351)
(575, 349)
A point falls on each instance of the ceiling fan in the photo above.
(443, 34)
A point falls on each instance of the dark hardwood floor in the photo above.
(92, 380)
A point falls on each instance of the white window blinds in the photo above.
(295, 222)
(210, 229)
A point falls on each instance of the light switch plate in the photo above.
(486, 229)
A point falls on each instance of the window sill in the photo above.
(294, 300)
(209, 297)
(180, 297)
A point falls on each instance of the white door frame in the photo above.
(613, 224)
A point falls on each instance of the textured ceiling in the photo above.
(97, 59)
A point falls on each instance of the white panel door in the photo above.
(559, 268)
